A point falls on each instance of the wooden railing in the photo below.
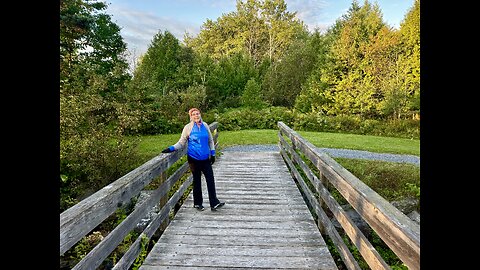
(79, 220)
(398, 231)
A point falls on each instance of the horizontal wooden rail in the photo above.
(397, 230)
(82, 218)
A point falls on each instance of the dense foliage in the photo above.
(94, 101)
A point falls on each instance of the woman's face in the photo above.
(196, 116)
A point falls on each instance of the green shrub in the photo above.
(272, 115)
(369, 126)
(392, 181)
(235, 119)
(89, 163)
(406, 128)
(345, 123)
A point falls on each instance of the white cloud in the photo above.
(311, 12)
(138, 28)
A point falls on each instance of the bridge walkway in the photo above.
(265, 223)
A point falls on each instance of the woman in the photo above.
(200, 156)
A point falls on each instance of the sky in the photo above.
(141, 20)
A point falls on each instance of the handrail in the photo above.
(82, 218)
(398, 231)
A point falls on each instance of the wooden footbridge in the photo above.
(278, 213)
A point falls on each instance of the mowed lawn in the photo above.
(151, 145)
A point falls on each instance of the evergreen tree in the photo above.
(229, 77)
(312, 97)
(252, 95)
(155, 73)
(353, 90)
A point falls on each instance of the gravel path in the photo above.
(334, 152)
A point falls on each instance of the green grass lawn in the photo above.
(324, 139)
(363, 142)
(152, 145)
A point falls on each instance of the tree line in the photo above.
(258, 56)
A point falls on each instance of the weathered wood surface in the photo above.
(81, 218)
(264, 224)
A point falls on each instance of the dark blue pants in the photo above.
(197, 167)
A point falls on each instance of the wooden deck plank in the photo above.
(246, 241)
(239, 250)
(265, 223)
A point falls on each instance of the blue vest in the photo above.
(198, 147)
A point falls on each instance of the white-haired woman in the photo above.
(200, 156)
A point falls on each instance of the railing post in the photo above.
(323, 181)
(163, 201)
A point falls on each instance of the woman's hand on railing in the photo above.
(167, 150)
(212, 159)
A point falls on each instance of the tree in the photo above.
(155, 73)
(410, 61)
(401, 81)
(312, 94)
(229, 77)
(252, 95)
(283, 81)
(94, 102)
(347, 79)
(282, 28)
(260, 29)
